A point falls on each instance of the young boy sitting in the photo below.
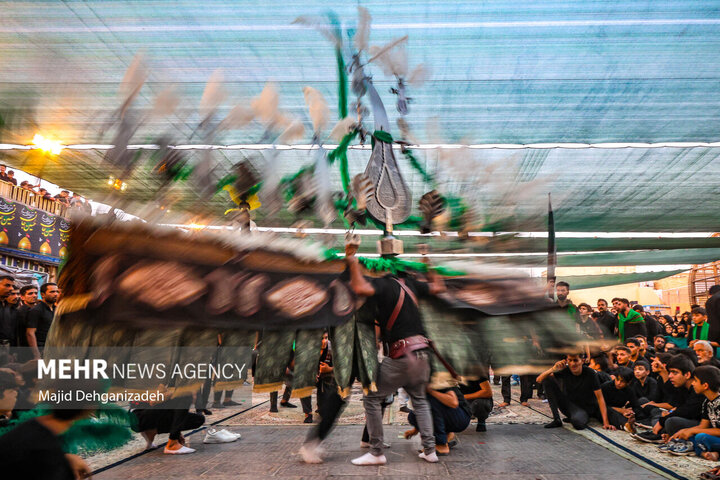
(689, 407)
(645, 387)
(704, 439)
(621, 401)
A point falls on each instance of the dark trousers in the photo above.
(169, 417)
(330, 405)
(445, 420)
(526, 388)
(306, 402)
(579, 417)
(481, 408)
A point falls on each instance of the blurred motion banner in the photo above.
(32, 230)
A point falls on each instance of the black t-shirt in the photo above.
(472, 386)
(650, 390)
(463, 404)
(22, 314)
(32, 452)
(619, 398)
(40, 317)
(580, 389)
(609, 323)
(673, 395)
(8, 324)
(408, 321)
(603, 376)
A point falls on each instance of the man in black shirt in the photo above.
(8, 325)
(478, 393)
(579, 397)
(622, 404)
(622, 355)
(712, 308)
(11, 177)
(408, 365)
(606, 319)
(3, 173)
(40, 318)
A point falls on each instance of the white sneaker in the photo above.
(432, 458)
(369, 459)
(311, 453)
(237, 435)
(180, 451)
(220, 436)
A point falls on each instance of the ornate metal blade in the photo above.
(392, 195)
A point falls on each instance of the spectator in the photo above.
(601, 365)
(678, 338)
(659, 343)
(587, 325)
(580, 397)
(688, 409)
(171, 416)
(40, 318)
(606, 319)
(8, 325)
(652, 326)
(704, 352)
(704, 439)
(478, 394)
(450, 414)
(43, 193)
(13, 299)
(11, 178)
(700, 329)
(622, 404)
(644, 386)
(63, 197)
(630, 322)
(562, 290)
(3, 173)
(646, 353)
(34, 447)
(634, 345)
(712, 308)
(622, 355)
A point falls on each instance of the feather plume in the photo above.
(238, 117)
(293, 132)
(318, 109)
(342, 128)
(265, 106)
(362, 190)
(321, 26)
(134, 78)
(363, 29)
(323, 202)
(391, 62)
(213, 95)
(165, 103)
(419, 75)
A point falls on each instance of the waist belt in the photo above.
(418, 342)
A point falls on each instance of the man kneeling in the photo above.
(580, 396)
(450, 414)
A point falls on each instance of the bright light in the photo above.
(117, 184)
(47, 145)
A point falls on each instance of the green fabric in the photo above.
(340, 154)
(383, 136)
(307, 358)
(632, 317)
(704, 331)
(679, 342)
(579, 282)
(274, 355)
(342, 339)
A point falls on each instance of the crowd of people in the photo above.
(64, 198)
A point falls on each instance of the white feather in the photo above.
(419, 75)
(322, 27)
(294, 131)
(238, 117)
(213, 95)
(342, 128)
(323, 205)
(134, 78)
(266, 104)
(318, 109)
(363, 29)
(165, 103)
(381, 54)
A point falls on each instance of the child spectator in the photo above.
(579, 397)
(700, 329)
(634, 345)
(644, 386)
(704, 439)
(621, 401)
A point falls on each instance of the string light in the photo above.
(117, 184)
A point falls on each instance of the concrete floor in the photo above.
(520, 451)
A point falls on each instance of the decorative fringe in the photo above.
(229, 385)
(268, 387)
(344, 392)
(73, 303)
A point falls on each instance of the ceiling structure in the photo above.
(551, 72)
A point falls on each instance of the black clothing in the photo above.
(590, 329)
(690, 408)
(580, 389)
(609, 323)
(407, 323)
(712, 306)
(32, 452)
(713, 362)
(579, 416)
(650, 390)
(619, 398)
(526, 388)
(653, 327)
(8, 324)
(471, 386)
(672, 395)
(445, 419)
(21, 315)
(40, 317)
(603, 376)
(170, 417)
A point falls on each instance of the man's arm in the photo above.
(358, 283)
(603, 410)
(704, 427)
(448, 399)
(32, 323)
(555, 368)
(484, 392)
